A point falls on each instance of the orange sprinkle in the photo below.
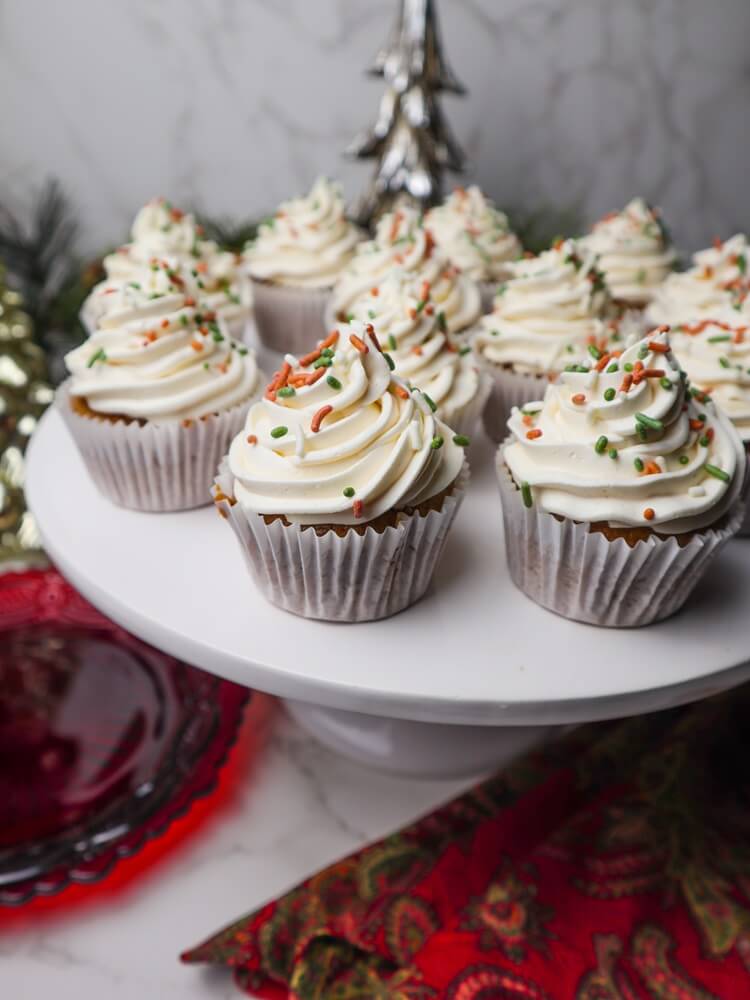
(309, 358)
(357, 508)
(532, 435)
(526, 420)
(579, 399)
(196, 345)
(375, 291)
(424, 291)
(400, 392)
(330, 340)
(649, 513)
(412, 313)
(187, 423)
(151, 336)
(417, 350)
(627, 381)
(651, 469)
(739, 334)
(429, 309)
(252, 439)
(320, 415)
(654, 345)
(313, 377)
(637, 367)
(371, 330)
(164, 324)
(710, 434)
(189, 300)
(395, 225)
(429, 243)
(603, 362)
(357, 342)
(201, 267)
(696, 425)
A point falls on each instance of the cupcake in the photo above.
(716, 357)
(155, 396)
(552, 309)
(294, 262)
(476, 237)
(343, 484)
(163, 237)
(634, 252)
(402, 241)
(715, 287)
(618, 489)
(415, 335)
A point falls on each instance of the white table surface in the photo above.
(300, 808)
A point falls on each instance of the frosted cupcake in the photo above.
(552, 310)
(715, 287)
(414, 334)
(155, 396)
(476, 237)
(716, 357)
(634, 252)
(402, 243)
(297, 257)
(165, 238)
(343, 484)
(618, 488)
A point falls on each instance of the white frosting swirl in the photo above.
(547, 313)
(307, 242)
(633, 250)
(158, 356)
(716, 356)
(164, 236)
(715, 287)
(402, 243)
(627, 448)
(345, 448)
(414, 333)
(474, 234)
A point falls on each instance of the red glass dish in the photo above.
(103, 739)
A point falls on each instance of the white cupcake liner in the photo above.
(508, 389)
(744, 531)
(354, 578)
(466, 419)
(289, 320)
(153, 467)
(487, 292)
(582, 575)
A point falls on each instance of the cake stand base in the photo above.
(415, 749)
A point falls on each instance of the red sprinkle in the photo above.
(357, 508)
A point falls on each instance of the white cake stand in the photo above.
(472, 673)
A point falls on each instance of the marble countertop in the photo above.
(298, 808)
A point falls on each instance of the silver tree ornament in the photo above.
(410, 139)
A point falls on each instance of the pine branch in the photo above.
(230, 235)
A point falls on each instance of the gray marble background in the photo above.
(231, 105)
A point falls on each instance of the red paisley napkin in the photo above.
(611, 865)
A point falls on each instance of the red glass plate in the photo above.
(103, 739)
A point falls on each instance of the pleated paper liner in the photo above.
(289, 320)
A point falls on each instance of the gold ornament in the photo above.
(24, 394)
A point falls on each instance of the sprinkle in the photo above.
(461, 440)
(684, 460)
(327, 352)
(286, 390)
(375, 291)
(603, 362)
(321, 414)
(279, 432)
(649, 513)
(627, 381)
(665, 383)
(349, 492)
(642, 353)
(579, 399)
(357, 508)
(612, 452)
(322, 362)
(657, 347)
(720, 339)
(463, 351)
(206, 365)
(196, 345)
(534, 434)
(357, 342)
(392, 345)
(526, 495)
(391, 362)
(609, 394)
(430, 403)
(442, 322)
(601, 444)
(242, 351)
(652, 469)
(437, 442)
(309, 358)
(637, 462)
(647, 421)
(333, 382)
(330, 340)
(612, 368)
(724, 362)
(252, 439)
(595, 352)
(696, 425)
(99, 355)
(400, 392)
(714, 470)
(627, 367)
(183, 319)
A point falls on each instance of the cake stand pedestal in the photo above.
(469, 676)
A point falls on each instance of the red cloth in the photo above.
(611, 865)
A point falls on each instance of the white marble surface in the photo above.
(230, 105)
(299, 809)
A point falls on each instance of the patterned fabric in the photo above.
(611, 865)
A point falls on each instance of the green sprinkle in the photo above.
(242, 351)
(719, 340)
(442, 322)
(392, 342)
(437, 442)
(327, 352)
(349, 491)
(642, 353)
(612, 368)
(206, 365)
(601, 444)
(430, 402)
(463, 351)
(609, 394)
(421, 304)
(389, 359)
(627, 366)
(99, 355)
(279, 432)
(371, 313)
(322, 362)
(612, 452)
(714, 470)
(183, 319)
(652, 422)
(461, 440)
(641, 277)
(349, 317)
(137, 285)
(741, 263)
(724, 362)
(642, 431)
(704, 441)
(569, 348)
(638, 464)
(286, 390)
(333, 382)
(215, 332)
(665, 383)
(595, 352)
(702, 417)
(684, 460)
(526, 495)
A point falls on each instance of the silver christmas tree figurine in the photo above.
(410, 139)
